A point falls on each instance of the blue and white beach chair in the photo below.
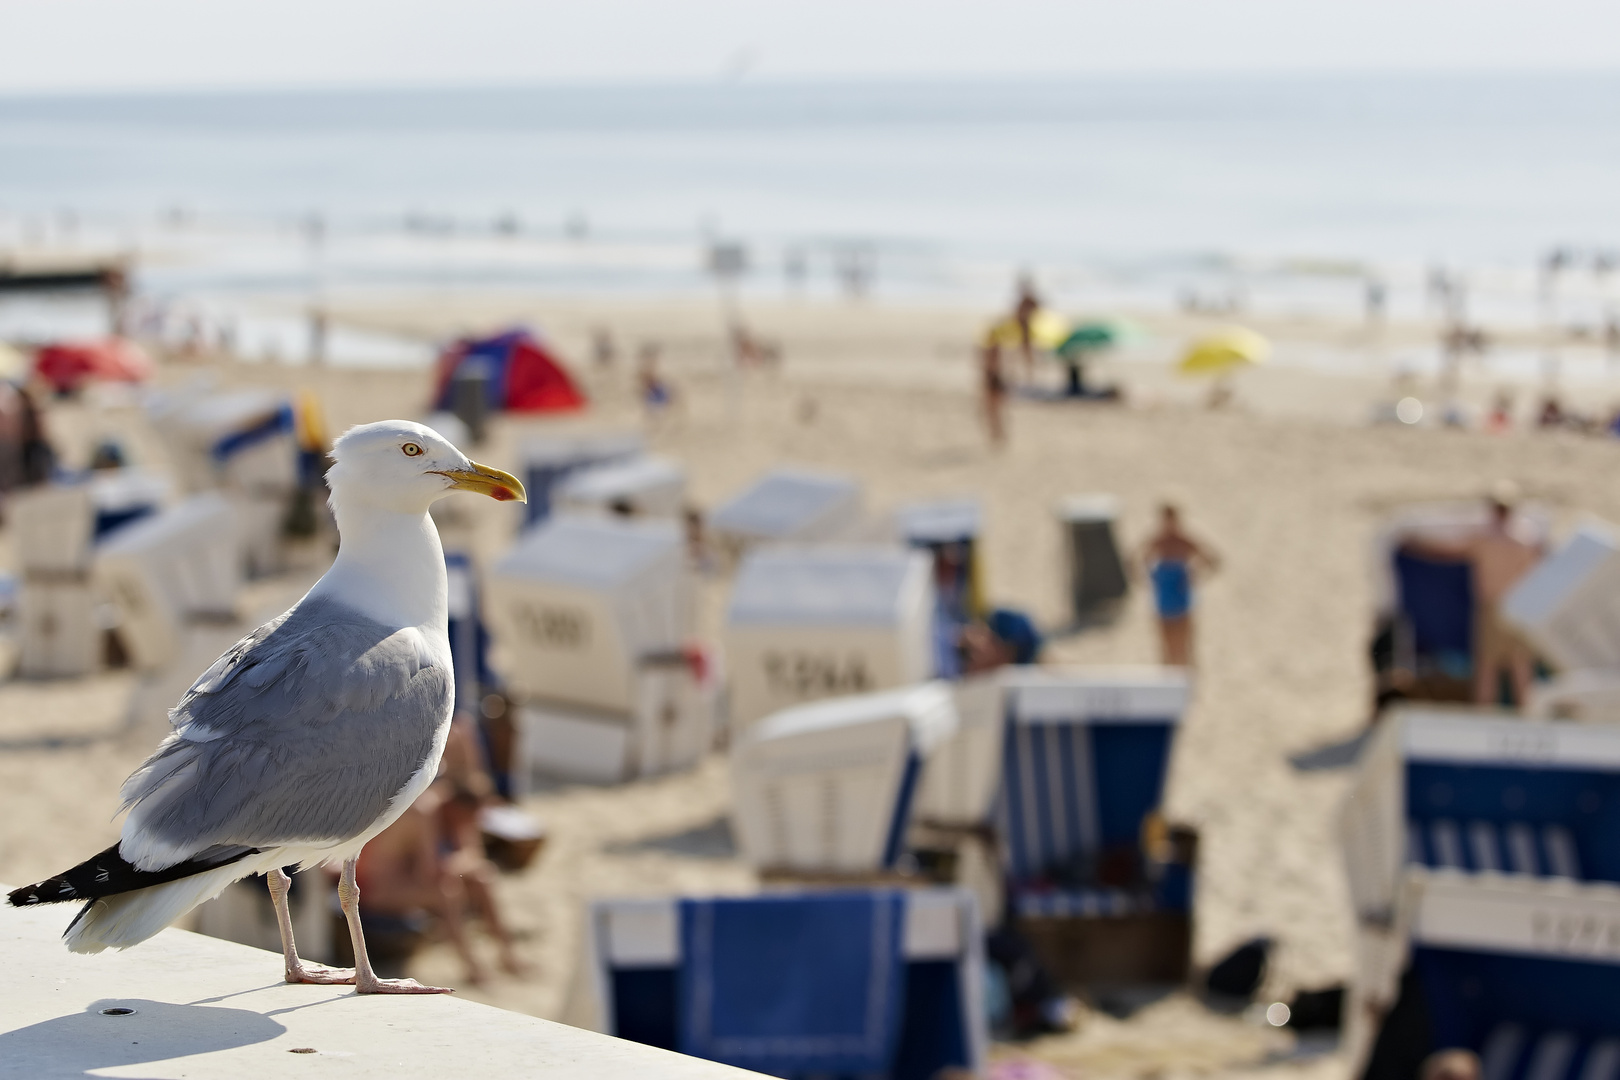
(641, 486)
(1473, 793)
(949, 531)
(1426, 607)
(873, 983)
(591, 622)
(577, 602)
(1095, 882)
(1461, 798)
(830, 787)
(242, 440)
(788, 505)
(811, 622)
(1083, 766)
(1523, 975)
(1568, 607)
(549, 460)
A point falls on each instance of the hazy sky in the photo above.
(91, 44)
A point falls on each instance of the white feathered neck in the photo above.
(389, 567)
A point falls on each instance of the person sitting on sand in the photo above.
(403, 888)
(465, 788)
(1498, 557)
(1173, 561)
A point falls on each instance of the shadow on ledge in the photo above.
(151, 1031)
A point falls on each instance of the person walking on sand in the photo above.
(1498, 556)
(1173, 561)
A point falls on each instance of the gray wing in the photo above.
(304, 731)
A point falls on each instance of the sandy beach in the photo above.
(1288, 485)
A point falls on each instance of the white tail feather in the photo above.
(117, 922)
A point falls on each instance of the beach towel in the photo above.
(793, 985)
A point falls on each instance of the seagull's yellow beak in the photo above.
(501, 486)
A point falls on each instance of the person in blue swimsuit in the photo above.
(1174, 561)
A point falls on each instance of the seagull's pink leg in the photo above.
(298, 971)
(365, 980)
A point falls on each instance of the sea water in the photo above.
(1284, 193)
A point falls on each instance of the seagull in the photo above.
(309, 736)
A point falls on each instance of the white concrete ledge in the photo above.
(206, 1008)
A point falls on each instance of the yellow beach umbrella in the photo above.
(1047, 330)
(1223, 351)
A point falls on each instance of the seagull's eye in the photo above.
(412, 450)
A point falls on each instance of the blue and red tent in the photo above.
(524, 376)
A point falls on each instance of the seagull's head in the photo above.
(401, 466)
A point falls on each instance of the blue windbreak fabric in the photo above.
(277, 423)
(1437, 599)
(793, 985)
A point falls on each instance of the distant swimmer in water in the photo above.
(1173, 561)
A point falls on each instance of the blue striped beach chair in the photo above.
(1524, 975)
(1084, 759)
(1467, 793)
(1462, 800)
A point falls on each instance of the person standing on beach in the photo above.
(994, 386)
(1498, 557)
(1024, 314)
(1173, 561)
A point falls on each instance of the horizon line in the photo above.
(801, 80)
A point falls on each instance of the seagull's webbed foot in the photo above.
(375, 985)
(305, 971)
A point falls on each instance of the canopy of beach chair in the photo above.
(1223, 351)
(1047, 330)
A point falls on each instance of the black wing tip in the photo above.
(50, 891)
(109, 873)
(24, 896)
